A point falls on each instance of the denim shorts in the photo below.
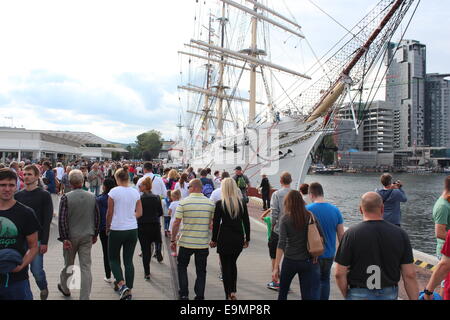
(388, 293)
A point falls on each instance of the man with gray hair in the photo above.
(373, 254)
(79, 222)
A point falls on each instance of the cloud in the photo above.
(112, 68)
(118, 110)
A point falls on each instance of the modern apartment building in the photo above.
(437, 100)
(405, 92)
(376, 134)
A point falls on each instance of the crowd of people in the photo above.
(124, 203)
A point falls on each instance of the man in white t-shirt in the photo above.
(139, 171)
(217, 180)
(158, 186)
(59, 171)
(216, 195)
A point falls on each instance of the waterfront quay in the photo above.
(254, 271)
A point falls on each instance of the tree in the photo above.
(149, 144)
(133, 152)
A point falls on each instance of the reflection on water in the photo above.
(345, 190)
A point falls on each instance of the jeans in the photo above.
(229, 272)
(17, 291)
(95, 190)
(308, 276)
(166, 223)
(126, 239)
(37, 269)
(389, 293)
(104, 241)
(82, 247)
(325, 271)
(201, 257)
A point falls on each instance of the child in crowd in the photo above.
(135, 181)
(266, 217)
(175, 196)
(165, 205)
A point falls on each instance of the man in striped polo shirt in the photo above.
(196, 212)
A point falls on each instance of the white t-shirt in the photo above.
(184, 191)
(125, 199)
(173, 206)
(158, 185)
(216, 195)
(217, 182)
(59, 173)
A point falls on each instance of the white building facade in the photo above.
(21, 144)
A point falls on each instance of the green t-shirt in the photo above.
(441, 215)
(268, 221)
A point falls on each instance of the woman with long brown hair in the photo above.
(183, 185)
(293, 245)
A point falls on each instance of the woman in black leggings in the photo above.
(102, 203)
(228, 235)
(149, 225)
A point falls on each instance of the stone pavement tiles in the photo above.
(254, 272)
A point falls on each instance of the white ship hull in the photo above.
(296, 145)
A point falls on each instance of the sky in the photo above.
(112, 67)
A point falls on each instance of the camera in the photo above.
(398, 184)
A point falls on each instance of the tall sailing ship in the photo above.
(242, 107)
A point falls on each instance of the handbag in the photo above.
(315, 245)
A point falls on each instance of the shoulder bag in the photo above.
(315, 243)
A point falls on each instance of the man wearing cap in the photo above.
(242, 182)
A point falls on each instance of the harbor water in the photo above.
(344, 190)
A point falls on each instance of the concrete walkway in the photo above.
(254, 272)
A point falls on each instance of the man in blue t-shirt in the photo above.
(330, 219)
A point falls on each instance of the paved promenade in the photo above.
(254, 272)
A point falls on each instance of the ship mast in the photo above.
(249, 59)
(253, 53)
(206, 110)
(220, 86)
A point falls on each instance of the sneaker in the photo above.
(108, 280)
(44, 294)
(184, 298)
(124, 292)
(65, 294)
(116, 286)
(147, 277)
(159, 257)
(273, 285)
